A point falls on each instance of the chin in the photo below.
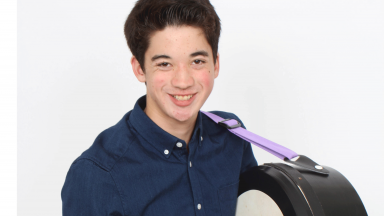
(182, 116)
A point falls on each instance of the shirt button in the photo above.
(199, 206)
(166, 151)
(190, 163)
(201, 138)
(179, 144)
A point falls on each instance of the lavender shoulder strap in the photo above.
(269, 146)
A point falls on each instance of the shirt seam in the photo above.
(93, 162)
(107, 168)
(120, 193)
(98, 165)
(128, 146)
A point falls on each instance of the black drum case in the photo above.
(304, 188)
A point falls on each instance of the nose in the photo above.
(183, 78)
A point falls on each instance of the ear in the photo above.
(217, 66)
(137, 70)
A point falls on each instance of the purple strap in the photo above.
(269, 146)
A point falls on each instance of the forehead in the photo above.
(178, 40)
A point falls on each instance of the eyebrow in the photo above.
(197, 53)
(160, 56)
(201, 52)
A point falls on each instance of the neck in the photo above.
(182, 130)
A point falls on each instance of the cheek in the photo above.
(158, 82)
(206, 80)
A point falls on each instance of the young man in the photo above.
(164, 157)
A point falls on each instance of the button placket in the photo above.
(194, 179)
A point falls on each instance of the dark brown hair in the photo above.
(149, 16)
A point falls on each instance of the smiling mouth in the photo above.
(182, 97)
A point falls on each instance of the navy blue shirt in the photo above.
(136, 168)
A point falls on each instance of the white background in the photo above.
(307, 75)
(8, 112)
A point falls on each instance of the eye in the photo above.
(163, 64)
(198, 61)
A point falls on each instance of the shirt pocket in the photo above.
(228, 199)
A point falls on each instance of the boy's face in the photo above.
(179, 71)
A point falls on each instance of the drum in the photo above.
(297, 189)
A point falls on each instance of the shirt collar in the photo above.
(156, 136)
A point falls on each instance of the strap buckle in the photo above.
(222, 123)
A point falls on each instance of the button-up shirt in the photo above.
(137, 168)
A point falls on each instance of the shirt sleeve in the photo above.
(248, 158)
(90, 190)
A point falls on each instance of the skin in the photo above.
(178, 61)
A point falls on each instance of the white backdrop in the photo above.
(307, 75)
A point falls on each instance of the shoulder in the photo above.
(82, 175)
(88, 190)
(226, 115)
(84, 168)
(110, 145)
(218, 133)
(248, 159)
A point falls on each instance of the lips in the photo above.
(182, 99)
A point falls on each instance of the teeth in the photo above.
(182, 98)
